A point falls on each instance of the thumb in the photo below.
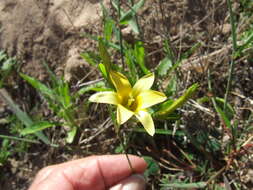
(134, 182)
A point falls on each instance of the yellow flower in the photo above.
(131, 100)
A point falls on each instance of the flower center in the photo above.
(130, 103)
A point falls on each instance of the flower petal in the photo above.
(123, 114)
(147, 121)
(149, 98)
(105, 97)
(143, 83)
(121, 83)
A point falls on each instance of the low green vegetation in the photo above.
(188, 151)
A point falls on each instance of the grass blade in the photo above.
(161, 132)
(38, 85)
(186, 185)
(139, 53)
(177, 103)
(129, 15)
(38, 126)
(22, 116)
(19, 139)
(106, 60)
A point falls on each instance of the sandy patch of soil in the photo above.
(37, 31)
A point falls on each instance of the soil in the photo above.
(51, 32)
(47, 31)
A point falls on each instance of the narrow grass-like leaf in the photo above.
(246, 44)
(98, 87)
(177, 103)
(108, 28)
(126, 17)
(19, 139)
(168, 50)
(190, 51)
(220, 112)
(38, 85)
(130, 61)
(37, 126)
(22, 116)
(102, 69)
(161, 132)
(230, 111)
(106, 60)
(139, 53)
(186, 185)
(134, 26)
(90, 58)
(172, 86)
(55, 81)
(222, 115)
(65, 95)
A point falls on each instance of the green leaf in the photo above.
(164, 66)
(108, 28)
(169, 108)
(153, 167)
(186, 185)
(106, 60)
(119, 149)
(22, 116)
(172, 86)
(56, 82)
(139, 53)
(90, 58)
(245, 45)
(19, 139)
(229, 109)
(98, 87)
(64, 95)
(190, 51)
(71, 135)
(161, 132)
(3, 56)
(38, 85)
(130, 61)
(168, 50)
(7, 64)
(35, 127)
(102, 69)
(126, 17)
(134, 26)
(222, 115)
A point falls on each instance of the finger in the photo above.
(96, 172)
(134, 182)
(116, 169)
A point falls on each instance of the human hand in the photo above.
(93, 173)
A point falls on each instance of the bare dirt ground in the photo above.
(50, 31)
(36, 31)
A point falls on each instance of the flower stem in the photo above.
(125, 151)
(120, 34)
(234, 41)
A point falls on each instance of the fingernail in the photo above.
(134, 182)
